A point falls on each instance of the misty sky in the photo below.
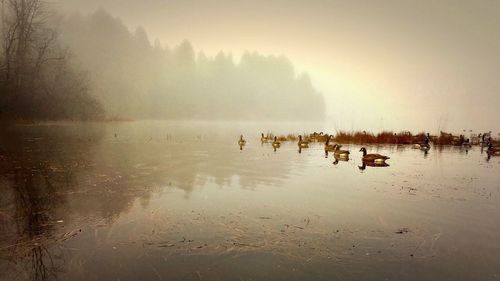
(380, 64)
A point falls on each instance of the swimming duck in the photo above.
(302, 143)
(340, 153)
(373, 158)
(242, 142)
(276, 143)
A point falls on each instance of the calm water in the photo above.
(181, 201)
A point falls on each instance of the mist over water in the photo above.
(180, 199)
(238, 140)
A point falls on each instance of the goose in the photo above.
(263, 138)
(322, 137)
(313, 136)
(368, 164)
(341, 158)
(467, 143)
(425, 146)
(328, 146)
(340, 153)
(493, 151)
(276, 143)
(242, 142)
(373, 158)
(302, 143)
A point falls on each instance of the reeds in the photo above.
(387, 137)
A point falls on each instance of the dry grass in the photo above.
(387, 137)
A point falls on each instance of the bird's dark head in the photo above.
(363, 150)
(275, 138)
(262, 134)
(300, 137)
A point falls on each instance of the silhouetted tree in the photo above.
(36, 78)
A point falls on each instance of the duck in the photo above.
(302, 143)
(340, 153)
(276, 143)
(493, 151)
(373, 158)
(242, 142)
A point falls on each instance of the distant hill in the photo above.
(133, 78)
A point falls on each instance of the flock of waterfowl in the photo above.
(368, 159)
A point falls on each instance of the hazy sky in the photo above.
(380, 64)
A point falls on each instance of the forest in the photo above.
(38, 79)
(92, 67)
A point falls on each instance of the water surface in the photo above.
(180, 201)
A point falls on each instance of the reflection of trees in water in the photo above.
(68, 173)
(33, 217)
(34, 180)
(29, 226)
(189, 165)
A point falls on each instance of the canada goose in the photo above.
(467, 143)
(322, 137)
(341, 158)
(242, 142)
(365, 164)
(263, 138)
(276, 143)
(313, 136)
(340, 153)
(302, 144)
(493, 151)
(373, 158)
(328, 146)
(425, 146)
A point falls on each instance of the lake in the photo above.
(158, 200)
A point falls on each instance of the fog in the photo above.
(136, 78)
(390, 65)
(380, 64)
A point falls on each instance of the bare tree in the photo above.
(30, 61)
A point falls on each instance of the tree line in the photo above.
(37, 77)
(92, 66)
